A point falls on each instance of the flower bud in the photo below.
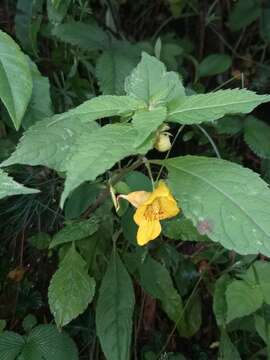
(163, 142)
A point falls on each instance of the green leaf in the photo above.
(40, 240)
(257, 135)
(45, 342)
(265, 24)
(244, 13)
(229, 125)
(214, 64)
(10, 187)
(57, 12)
(151, 83)
(86, 36)
(15, 79)
(27, 23)
(225, 201)
(115, 310)
(219, 303)
(111, 70)
(147, 122)
(258, 276)
(227, 350)
(49, 143)
(262, 326)
(80, 200)
(101, 107)
(180, 228)
(11, 345)
(97, 153)
(71, 289)
(29, 322)
(156, 281)
(74, 231)
(196, 109)
(40, 105)
(242, 299)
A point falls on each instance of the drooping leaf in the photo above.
(97, 153)
(262, 326)
(11, 345)
(112, 68)
(157, 282)
(40, 106)
(74, 231)
(10, 187)
(71, 289)
(146, 123)
(244, 13)
(214, 64)
(27, 22)
(228, 202)
(150, 82)
(49, 143)
(45, 342)
(196, 109)
(86, 36)
(15, 79)
(257, 135)
(114, 311)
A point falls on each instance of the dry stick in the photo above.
(103, 196)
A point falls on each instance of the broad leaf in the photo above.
(45, 342)
(257, 136)
(146, 123)
(11, 345)
(228, 203)
(15, 79)
(57, 11)
(86, 36)
(71, 289)
(97, 153)
(40, 105)
(10, 187)
(195, 109)
(74, 231)
(49, 143)
(115, 310)
(244, 13)
(112, 68)
(101, 107)
(242, 299)
(151, 83)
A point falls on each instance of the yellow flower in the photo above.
(151, 208)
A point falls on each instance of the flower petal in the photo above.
(139, 215)
(160, 191)
(148, 230)
(136, 198)
(169, 207)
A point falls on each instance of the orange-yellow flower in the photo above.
(151, 208)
